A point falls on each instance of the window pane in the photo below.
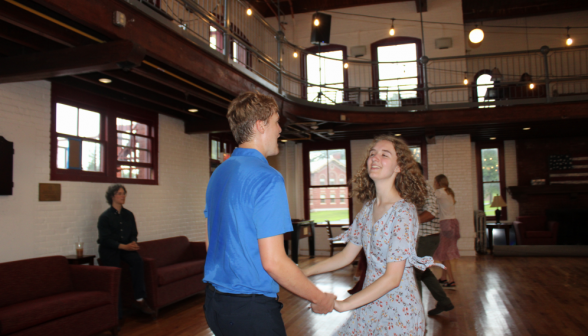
(89, 126)
(123, 125)
(123, 139)
(62, 152)
(483, 83)
(143, 156)
(125, 154)
(133, 172)
(139, 128)
(490, 190)
(416, 153)
(318, 167)
(67, 119)
(214, 150)
(323, 71)
(337, 166)
(91, 154)
(490, 172)
(142, 142)
(336, 210)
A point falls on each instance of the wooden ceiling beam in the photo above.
(52, 31)
(165, 90)
(140, 93)
(26, 38)
(71, 61)
(202, 126)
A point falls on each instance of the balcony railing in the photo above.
(250, 44)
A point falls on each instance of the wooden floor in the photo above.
(495, 296)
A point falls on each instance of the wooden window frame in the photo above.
(314, 50)
(306, 148)
(109, 110)
(501, 172)
(390, 41)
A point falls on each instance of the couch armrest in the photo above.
(198, 250)
(95, 278)
(151, 281)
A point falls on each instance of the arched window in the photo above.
(323, 72)
(393, 82)
(483, 80)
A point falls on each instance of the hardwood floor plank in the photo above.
(522, 296)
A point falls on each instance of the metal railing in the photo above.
(249, 43)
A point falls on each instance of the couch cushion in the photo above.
(26, 314)
(539, 234)
(29, 279)
(166, 251)
(173, 273)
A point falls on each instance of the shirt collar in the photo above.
(249, 152)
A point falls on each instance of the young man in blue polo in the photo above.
(247, 212)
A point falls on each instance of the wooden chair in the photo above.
(334, 243)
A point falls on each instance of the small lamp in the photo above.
(498, 203)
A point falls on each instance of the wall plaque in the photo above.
(49, 192)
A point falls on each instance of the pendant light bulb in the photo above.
(295, 54)
(317, 22)
(249, 11)
(392, 31)
(531, 86)
(569, 41)
(476, 35)
(346, 65)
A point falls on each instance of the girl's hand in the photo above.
(340, 306)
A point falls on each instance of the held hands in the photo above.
(133, 246)
(340, 306)
(325, 304)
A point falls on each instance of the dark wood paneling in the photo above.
(71, 61)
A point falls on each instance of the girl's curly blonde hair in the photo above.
(410, 182)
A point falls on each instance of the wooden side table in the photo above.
(86, 259)
(503, 225)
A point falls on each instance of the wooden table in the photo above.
(503, 225)
(86, 259)
(302, 229)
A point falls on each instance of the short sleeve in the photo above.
(402, 241)
(271, 214)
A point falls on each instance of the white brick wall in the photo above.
(32, 229)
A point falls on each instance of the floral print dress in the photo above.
(390, 239)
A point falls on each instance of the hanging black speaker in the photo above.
(321, 29)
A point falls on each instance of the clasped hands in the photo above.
(132, 246)
(327, 303)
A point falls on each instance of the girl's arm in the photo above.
(336, 262)
(387, 282)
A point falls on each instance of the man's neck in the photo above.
(254, 145)
(117, 206)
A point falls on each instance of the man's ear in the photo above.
(260, 126)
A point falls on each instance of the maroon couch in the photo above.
(535, 230)
(47, 296)
(174, 268)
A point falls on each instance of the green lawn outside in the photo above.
(334, 215)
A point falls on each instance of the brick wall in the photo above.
(32, 229)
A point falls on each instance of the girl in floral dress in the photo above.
(391, 186)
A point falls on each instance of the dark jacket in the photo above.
(115, 229)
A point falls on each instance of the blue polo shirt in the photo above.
(245, 201)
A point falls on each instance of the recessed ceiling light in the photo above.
(105, 80)
(193, 110)
(331, 133)
(397, 134)
(284, 140)
(526, 128)
(492, 138)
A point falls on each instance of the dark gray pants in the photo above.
(426, 246)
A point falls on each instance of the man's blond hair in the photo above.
(246, 110)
